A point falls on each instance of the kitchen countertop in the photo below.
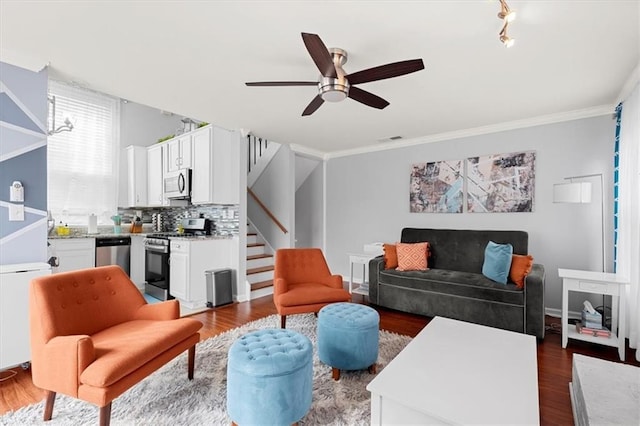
(138, 234)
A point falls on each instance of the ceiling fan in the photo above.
(334, 84)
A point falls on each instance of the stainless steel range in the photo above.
(157, 254)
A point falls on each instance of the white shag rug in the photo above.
(167, 397)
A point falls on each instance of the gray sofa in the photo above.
(454, 286)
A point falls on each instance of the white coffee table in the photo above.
(455, 372)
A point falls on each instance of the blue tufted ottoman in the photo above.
(348, 337)
(269, 378)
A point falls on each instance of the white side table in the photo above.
(360, 259)
(595, 283)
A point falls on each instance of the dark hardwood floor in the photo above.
(554, 363)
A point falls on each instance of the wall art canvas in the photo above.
(436, 187)
(501, 182)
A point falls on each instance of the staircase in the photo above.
(259, 265)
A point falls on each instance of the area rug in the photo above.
(168, 398)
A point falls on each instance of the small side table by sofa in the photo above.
(595, 283)
(360, 259)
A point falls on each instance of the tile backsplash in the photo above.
(225, 217)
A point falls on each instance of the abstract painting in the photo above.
(436, 187)
(501, 183)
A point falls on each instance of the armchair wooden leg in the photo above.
(48, 407)
(192, 358)
(283, 321)
(105, 415)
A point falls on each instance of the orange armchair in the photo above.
(93, 336)
(303, 283)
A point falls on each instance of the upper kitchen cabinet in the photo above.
(155, 195)
(216, 166)
(178, 154)
(137, 176)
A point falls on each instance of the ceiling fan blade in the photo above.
(320, 54)
(394, 69)
(367, 98)
(282, 83)
(313, 106)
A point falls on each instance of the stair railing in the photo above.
(267, 211)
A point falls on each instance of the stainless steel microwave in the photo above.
(177, 185)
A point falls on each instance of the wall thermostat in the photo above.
(16, 192)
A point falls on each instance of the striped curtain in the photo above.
(616, 179)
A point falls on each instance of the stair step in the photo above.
(261, 284)
(259, 270)
(255, 245)
(258, 256)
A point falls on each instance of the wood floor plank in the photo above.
(554, 363)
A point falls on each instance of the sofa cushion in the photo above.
(497, 261)
(412, 257)
(520, 268)
(311, 294)
(125, 347)
(455, 283)
(390, 256)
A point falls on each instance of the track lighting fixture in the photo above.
(506, 15)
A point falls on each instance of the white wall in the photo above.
(276, 188)
(309, 209)
(368, 196)
(143, 126)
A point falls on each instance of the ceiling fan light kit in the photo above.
(334, 84)
(506, 15)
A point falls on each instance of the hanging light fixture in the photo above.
(506, 15)
(66, 127)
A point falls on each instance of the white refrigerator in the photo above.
(14, 311)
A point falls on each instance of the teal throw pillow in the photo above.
(497, 261)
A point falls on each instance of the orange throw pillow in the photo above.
(412, 257)
(390, 256)
(520, 268)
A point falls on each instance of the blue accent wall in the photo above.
(23, 157)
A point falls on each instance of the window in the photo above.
(82, 164)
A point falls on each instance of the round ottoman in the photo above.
(269, 377)
(348, 337)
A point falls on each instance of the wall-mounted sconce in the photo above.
(66, 127)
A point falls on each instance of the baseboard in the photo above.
(557, 313)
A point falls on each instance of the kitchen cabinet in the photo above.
(136, 176)
(216, 166)
(189, 259)
(178, 153)
(73, 253)
(155, 194)
(14, 311)
(136, 272)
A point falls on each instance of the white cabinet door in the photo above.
(154, 176)
(137, 175)
(14, 316)
(137, 260)
(202, 182)
(225, 167)
(73, 253)
(179, 270)
(178, 155)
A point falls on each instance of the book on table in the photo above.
(595, 332)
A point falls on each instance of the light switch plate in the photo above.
(16, 212)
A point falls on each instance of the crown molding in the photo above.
(629, 85)
(308, 152)
(483, 130)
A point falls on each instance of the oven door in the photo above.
(156, 273)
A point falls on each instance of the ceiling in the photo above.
(193, 58)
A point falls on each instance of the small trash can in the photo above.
(218, 287)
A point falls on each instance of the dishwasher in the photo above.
(114, 251)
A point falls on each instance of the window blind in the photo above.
(82, 164)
